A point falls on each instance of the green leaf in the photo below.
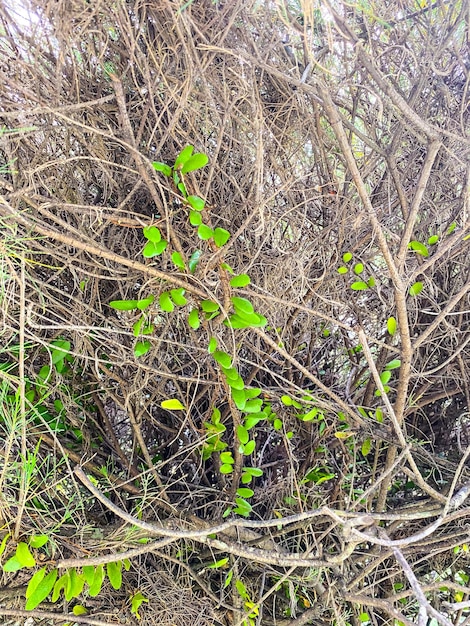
(3, 545)
(218, 564)
(242, 305)
(152, 249)
(183, 156)
(253, 406)
(231, 373)
(60, 349)
(88, 572)
(391, 326)
(141, 348)
(253, 471)
(212, 345)
(79, 609)
(358, 268)
(433, 240)
(182, 190)
(204, 232)
(95, 588)
(75, 585)
(195, 163)
(244, 492)
(451, 228)
(34, 582)
(240, 281)
(178, 260)
(41, 591)
(277, 424)
(359, 286)
(242, 434)
(178, 296)
(347, 256)
(227, 268)
(342, 270)
(24, 556)
(223, 358)
(114, 572)
(194, 260)
(37, 541)
(393, 365)
(62, 584)
(286, 400)
(172, 405)
(196, 203)
(152, 233)
(136, 601)
(385, 376)
(226, 468)
(145, 303)
(12, 565)
(244, 508)
(208, 306)
(253, 321)
(249, 448)
(193, 319)
(195, 219)
(366, 446)
(418, 247)
(239, 397)
(124, 305)
(163, 168)
(221, 236)
(237, 383)
(371, 282)
(166, 303)
(416, 289)
(253, 419)
(226, 457)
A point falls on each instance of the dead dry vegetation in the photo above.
(329, 485)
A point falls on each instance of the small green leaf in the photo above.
(416, 289)
(88, 572)
(418, 247)
(196, 203)
(244, 508)
(385, 376)
(391, 326)
(163, 168)
(253, 419)
(24, 556)
(3, 545)
(451, 228)
(226, 457)
(253, 406)
(286, 400)
(226, 468)
(95, 587)
(195, 219)
(253, 471)
(166, 304)
(74, 585)
(221, 236)
(242, 434)
(193, 319)
(359, 286)
(393, 365)
(172, 405)
(124, 305)
(182, 190)
(223, 358)
(277, 424)
(218, 564)
(358, 268)
(79, 609)
(136, 601)
(249, 448)
(371, 282)
(242, 305)
(141, 348)
(208, 306)
(239, 398)
(178, 260)
(347, 256)
(237, 383)
(62, 584)
(37, 541)
(34, 582)
(204, 232)
(240, 281)
(227, 268)
(183, 156)
(178, 296)
(366, 446)
(212, 345)
(342, 270)
(245, 492)
(195, 163)
(152, 249)
(253, 321)
(114, 572)
(433, 240)
(152, 233)
(41, 591)
(194, 260)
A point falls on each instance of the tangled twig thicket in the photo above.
(337, 136)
